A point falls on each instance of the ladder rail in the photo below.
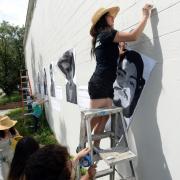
(86, 136)
(25, 90)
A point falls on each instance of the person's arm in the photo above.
(81, 154)
(90, 173)
(42, 101)
(135, 33)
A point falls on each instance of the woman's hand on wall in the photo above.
(147, 10)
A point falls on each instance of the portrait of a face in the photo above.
(129, 82)
(39, 84)
(52, 88)
(67, 66)
(45, 83)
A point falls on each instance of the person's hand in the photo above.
(147, 10)
(92, 171)
(83, 153)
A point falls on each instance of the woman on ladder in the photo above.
(105, 48)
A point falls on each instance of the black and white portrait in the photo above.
(45, 82)
(39, 84)
(52, 86)
(130, 82)
(67, 65)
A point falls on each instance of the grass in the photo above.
(43, 136)
(15, 97)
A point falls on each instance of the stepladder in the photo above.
(118, 151)
(26, 90)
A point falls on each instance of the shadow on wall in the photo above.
(62, 135)
(151, 160)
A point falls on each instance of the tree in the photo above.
(11, 56)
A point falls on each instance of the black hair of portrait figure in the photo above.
(45, 83)
(52, 88)
(129, 82)
(67, 65)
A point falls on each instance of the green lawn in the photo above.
(44, 135)
(15, 97)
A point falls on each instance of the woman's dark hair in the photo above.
(11, 130)
(24, 149)
(100, 26)
(136, 59)
(48, 163)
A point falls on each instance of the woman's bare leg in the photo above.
(98, 123)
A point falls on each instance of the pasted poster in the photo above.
(52, 85)
(83, 97)
(66, 64)
(39, 84)
(59, 92)
(133, 72)
(45, 82)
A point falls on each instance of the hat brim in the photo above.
(9, 125)
(113, 11)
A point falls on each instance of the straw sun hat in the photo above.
(6, 123)
(100, 12)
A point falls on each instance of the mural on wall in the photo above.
(52, 85)
(45, 83)
(39, 84)
(66, 64)
(132, 73)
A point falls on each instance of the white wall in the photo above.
(60, 25)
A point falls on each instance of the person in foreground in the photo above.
(24, 149)
(53, 162)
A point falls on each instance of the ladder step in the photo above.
(25, 88)
(102, 111)
(104, 173)
(27, 114)
(113, 157)
(103, 135)
(22, 77)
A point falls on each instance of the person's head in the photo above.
(67, 65)
(24, 149)
(102, 20)
(7, 125)
(129, 82)
(50, 162)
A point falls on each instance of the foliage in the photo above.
(14, 97)
(11, 56)
(44, 136)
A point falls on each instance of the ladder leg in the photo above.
(114, 118)
(82, 132)
(89, 136)
(126, 143)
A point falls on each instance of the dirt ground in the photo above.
(11, 105)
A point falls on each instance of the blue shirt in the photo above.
(37, 110)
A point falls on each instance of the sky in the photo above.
(13, 11)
